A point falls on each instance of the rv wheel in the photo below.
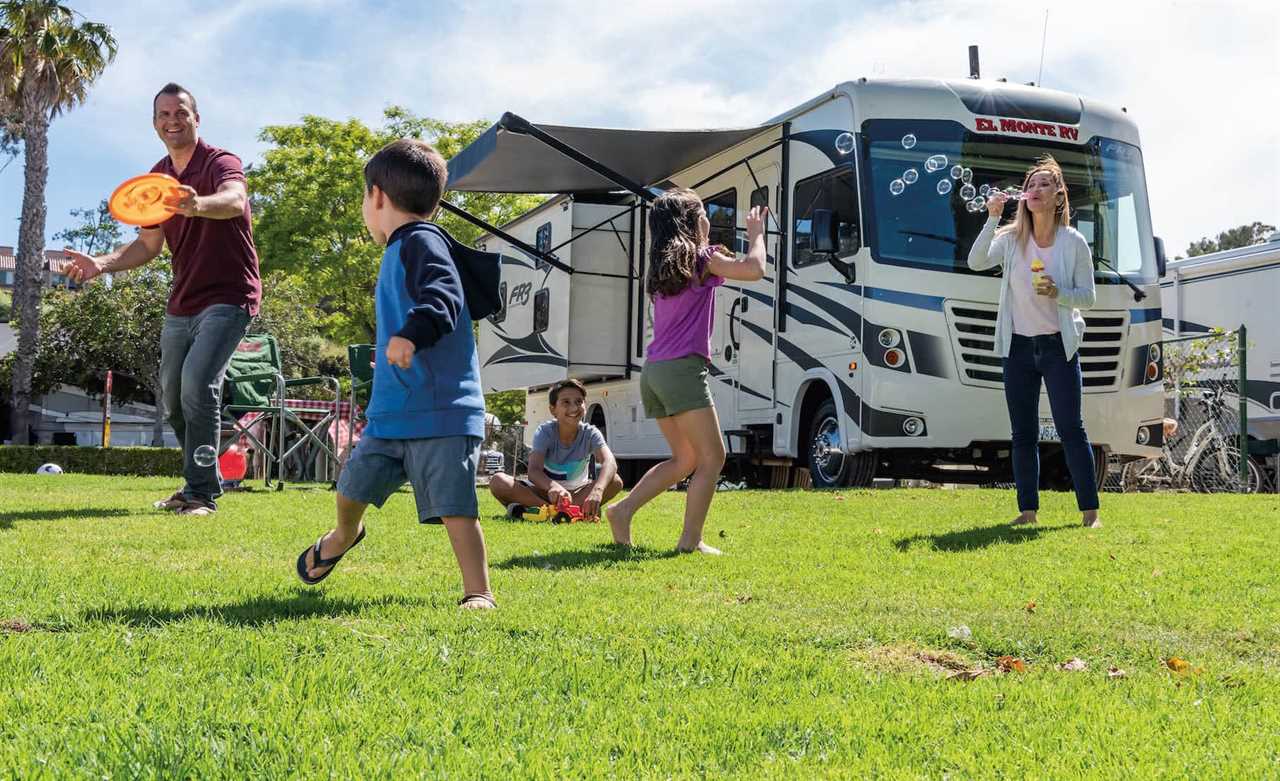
(830, 465)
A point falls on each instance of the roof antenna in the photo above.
(973, 62)
(1043, 36)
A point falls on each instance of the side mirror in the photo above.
(826, 241)
(826, 236)
(1162, 262)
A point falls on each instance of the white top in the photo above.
(1033, 314)
(1071, 266)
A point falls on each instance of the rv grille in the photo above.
(973, 327)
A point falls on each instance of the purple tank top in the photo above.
(682, 323)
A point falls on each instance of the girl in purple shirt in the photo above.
(683, 275)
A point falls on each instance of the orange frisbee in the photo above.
(140, 200)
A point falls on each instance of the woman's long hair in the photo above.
(1023, 224)
(673, 231)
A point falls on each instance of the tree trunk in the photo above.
(29, 279)
(157, 427)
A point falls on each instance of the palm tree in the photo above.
(48, 59)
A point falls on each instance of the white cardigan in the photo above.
(1070, 264)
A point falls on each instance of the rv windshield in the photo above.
(924, 229)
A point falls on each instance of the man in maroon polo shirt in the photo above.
(216, 287)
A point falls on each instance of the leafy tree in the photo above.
(307, 217)
(1242, 236)
(97, 233)
(6, 303)
(48, 60)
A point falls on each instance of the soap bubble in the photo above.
(205, 456)
(984, 189)
(910, 175)
(971, 206)
(944, 186)
(908, 141)
(957, 171)
(966, 175)
(935, 163)
(897, 186)
(844, 143)
(968, 191)
(980, 202)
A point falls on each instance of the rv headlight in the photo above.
(913, 427)
(1144, 435)
(1153, 371)
(889, 337)
(1153, 353)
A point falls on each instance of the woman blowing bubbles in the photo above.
(1047, 280)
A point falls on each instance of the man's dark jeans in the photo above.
(194, 354)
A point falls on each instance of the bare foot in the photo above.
(619, 523)
(1090, 520)
(1026, 518)
(701, 547)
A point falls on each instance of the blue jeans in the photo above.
(1032, 358)
(194, 354)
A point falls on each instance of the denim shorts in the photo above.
(442, 471)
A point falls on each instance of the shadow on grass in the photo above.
(7, 519)
(979, 537)
(582, 559)
(251, 612)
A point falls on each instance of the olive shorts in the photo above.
(670, 387)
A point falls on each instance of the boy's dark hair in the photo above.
(559, 386)
(174, 89)
(412, 174)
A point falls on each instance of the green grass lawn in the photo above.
(142, 645)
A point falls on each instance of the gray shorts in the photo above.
(442, 471)
(678, 385)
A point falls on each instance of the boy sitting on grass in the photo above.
(562, 449)
(426, 412)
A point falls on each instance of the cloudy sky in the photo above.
(1200, 79)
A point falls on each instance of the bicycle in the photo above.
(1209, 461)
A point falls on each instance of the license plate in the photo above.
(1048, 431)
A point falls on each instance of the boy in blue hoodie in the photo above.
(426, 412)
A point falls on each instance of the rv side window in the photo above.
(543, 244)
(836, 190)
(541, 310)
(722, 211)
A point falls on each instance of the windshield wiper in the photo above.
(1138, 294)
(934, 236)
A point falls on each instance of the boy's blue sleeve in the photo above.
(433, 284)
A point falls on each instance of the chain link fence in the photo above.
(1203, 450)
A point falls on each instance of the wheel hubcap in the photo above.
(825, 452)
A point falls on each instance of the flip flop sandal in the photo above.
(319, 561)
(472, 598)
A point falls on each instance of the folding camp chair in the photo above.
(360, 372)
(256, 391)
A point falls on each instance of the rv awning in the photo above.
(506, 161)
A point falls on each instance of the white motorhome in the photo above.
(867, 349)
(1224, 290)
